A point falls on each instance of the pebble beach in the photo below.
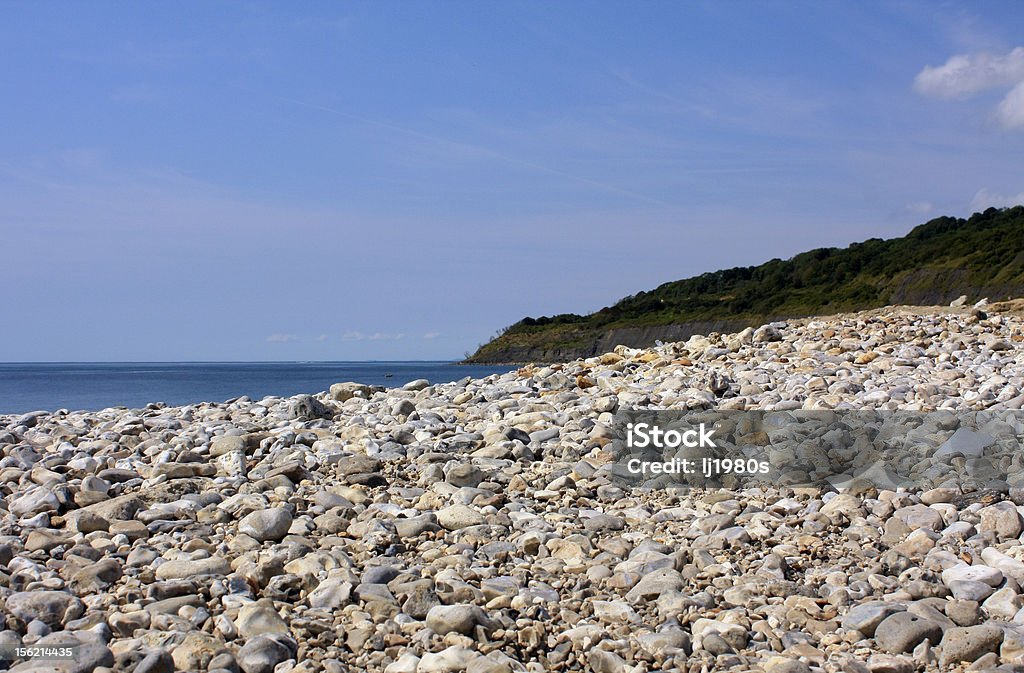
(474, 526)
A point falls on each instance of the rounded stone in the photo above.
(263, 653)
(266, 524)
(969, 643)
(457, 517)
(53, 608)
(902, 632)
(444, 619)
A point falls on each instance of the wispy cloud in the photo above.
(354, 335)
(986, 198)
(965, 75)
(431, 335)
(473, 149)
(1010, 112)
(920, 208)
(282, 338)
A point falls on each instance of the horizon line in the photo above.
(220, 362)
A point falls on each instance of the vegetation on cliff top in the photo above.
(934, 263)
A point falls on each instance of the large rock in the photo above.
(416, 525)
(970, 590)
(403, 408)
(407, 663)
(445, 619)
(420, 601)
(866, 617)
(86, 522)
(195, 651)
(603, 661)
(34, 502)
(964, 612)
(965, 442)
(225, 444)
(734, 635)
(256, 619)
(968, 643)
(263, 653)
(902, 632)
(495, 662)
(655, 584)
(183, 569)
(357, 463)
(886, 663)
(846, 504)
(121, 508)
(330, 594)
(766, 334)
(307, 407)
(615, 612)
(785, 665)
(464, 474)
(157, 661)
(448, 660)
(340, 392)
(53, 608)
(1008, 565)
(920, 516)
(1003, 519)
(1003, 604)
(266, 524)
(972, 573)
(457, 517)
(96, 577)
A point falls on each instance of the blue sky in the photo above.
(281, 181)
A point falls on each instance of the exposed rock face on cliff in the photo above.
(588, 345)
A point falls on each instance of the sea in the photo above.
(78, 386)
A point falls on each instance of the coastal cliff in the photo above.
(934, 264)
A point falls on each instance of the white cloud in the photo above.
(354, 335)
(383, 336)
(282, 338)
(431, 335)
(966, 74)
(322, 337)
(1010, 112)
(988, 199)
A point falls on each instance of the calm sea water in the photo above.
(91, 386)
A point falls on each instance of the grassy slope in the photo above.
(934, 262)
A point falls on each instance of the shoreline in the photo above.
(28, 387)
